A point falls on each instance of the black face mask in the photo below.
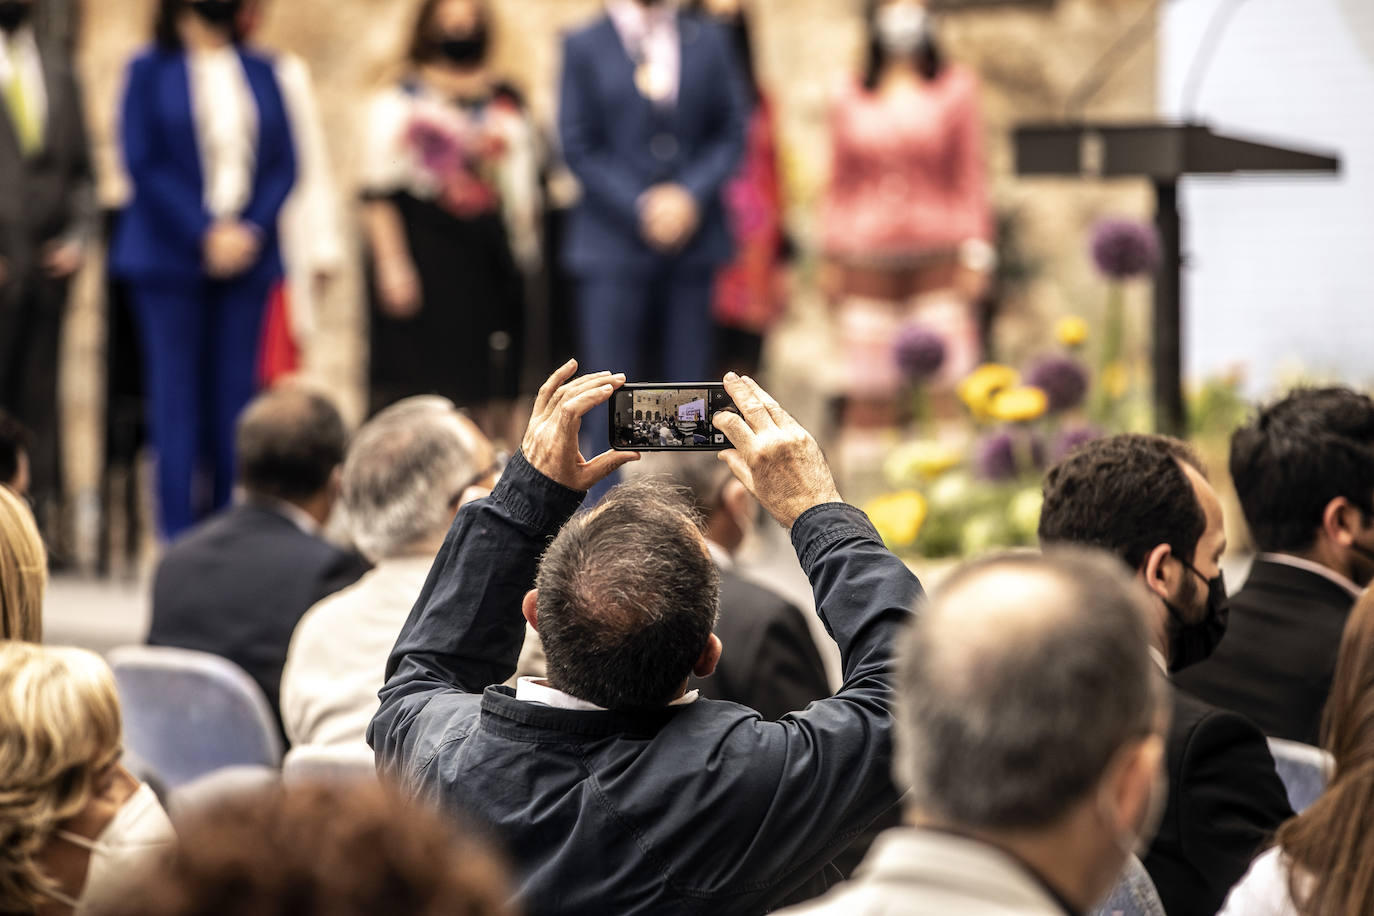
(466, 51)
(13, 14)
(221, 13)
(1190, 643)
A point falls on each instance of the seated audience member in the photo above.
(321, 851)
(237, 584)
(74, 824)
(23, 571)
(1322, 861)
(1031, 733)
(408, 470)
(1304, 470)
(771, 665)
(14, 455)
(1145, 500)
(615, 788)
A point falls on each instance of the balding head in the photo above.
(289, 442)
(406, 472)
(1021, 682)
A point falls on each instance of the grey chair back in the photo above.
(190, 713)
(1304, 769)
(1134, 894)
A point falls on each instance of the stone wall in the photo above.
(1030, 59)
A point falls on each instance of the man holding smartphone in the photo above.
(614, 788)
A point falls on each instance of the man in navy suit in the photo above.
(652, 120)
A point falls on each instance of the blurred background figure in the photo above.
(652, 118)
(23, 571)
(14, 455)
(206, 139)
(1321, 860)
(74, 824)
(47, 217)
(751, 292)
(450, 180)
(323, 851)
(907, 225)
(237, 584)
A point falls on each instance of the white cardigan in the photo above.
(1264, 889)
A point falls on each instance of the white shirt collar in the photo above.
(1158, 658)
(1326, 572)
(719, 554)
(537, 690)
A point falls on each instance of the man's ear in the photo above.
(1340, 521)
(530, 608)
(707, 661)
(1156, 575)
(736, 499)
(1134, 783)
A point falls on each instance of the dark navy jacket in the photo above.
(619, 144)
(162, 231)
(701, 808)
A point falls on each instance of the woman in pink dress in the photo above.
(907, 224)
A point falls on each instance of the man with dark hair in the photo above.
(1146, 500)
(14, 455)
(614, 787)
(773, 665)
(237, 583)
(1030, 729)
(1304, 471)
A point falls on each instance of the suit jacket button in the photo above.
(663, 147)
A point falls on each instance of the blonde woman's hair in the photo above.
(59, 730)
(23, 571)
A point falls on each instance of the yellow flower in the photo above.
(983, 383)
(1019, 405)
(898, 517)
(924, 460)
(1071, 331)
(1115, 379)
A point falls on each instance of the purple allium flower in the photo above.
(920, 352)
(1124, 248)
(1063, 379)
(1071, 439)
(1004, 455)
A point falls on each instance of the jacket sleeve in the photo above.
(1230, 800)
(465, 630)
(175, 201)
(276, 173)
(836, 756)
(718, 160)
(582, 132)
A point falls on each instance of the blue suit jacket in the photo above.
(619, 144)
(160, 236)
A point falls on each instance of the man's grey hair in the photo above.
(1020, 683)
(404, 469)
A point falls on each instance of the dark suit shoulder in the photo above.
(590, 33)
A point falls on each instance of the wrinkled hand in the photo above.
(550, 444)
(398, 288)
(62, 259)
(773, 456)
(231, 247)
(668, 217)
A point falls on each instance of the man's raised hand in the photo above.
(773, 456)
(550, 443)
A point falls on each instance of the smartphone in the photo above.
(662, 417)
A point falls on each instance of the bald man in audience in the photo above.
(237, 583)
(1030, 730)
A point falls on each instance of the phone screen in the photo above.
(654, 417)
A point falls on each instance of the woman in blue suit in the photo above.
(208, 148)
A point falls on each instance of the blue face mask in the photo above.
(1190, 643)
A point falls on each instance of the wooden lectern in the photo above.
(1163, 153)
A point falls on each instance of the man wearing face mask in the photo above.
(1304, 471)
(1146, 500)
(652, 119)
(74, 824)
(47, 215)
(1030, 731)
(773, 665)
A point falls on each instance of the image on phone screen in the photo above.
(668, 417)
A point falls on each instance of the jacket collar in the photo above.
(1316, 569)
(1268, 574)
(503, 714)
